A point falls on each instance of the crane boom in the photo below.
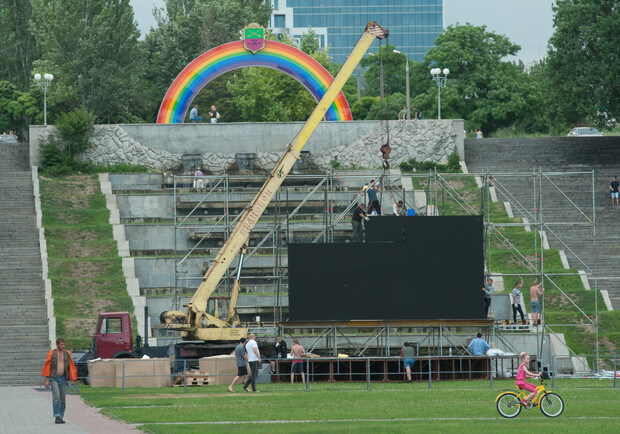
(198, 324)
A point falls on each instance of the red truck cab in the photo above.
(112, 338)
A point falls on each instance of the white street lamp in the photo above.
(441, 81)
(44, 85)
(406, 83)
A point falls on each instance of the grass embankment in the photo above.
(450, 406)
(84, 266)
(580, 335)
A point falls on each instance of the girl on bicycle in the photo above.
(524, 373)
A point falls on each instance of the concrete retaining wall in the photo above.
(357, 143)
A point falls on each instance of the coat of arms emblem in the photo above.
(254, 37)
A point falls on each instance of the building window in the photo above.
(279, 21)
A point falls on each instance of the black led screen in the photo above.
(435, 272)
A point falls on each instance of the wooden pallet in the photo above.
(194, 378)
(515, 328)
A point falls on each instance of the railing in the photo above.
(126, 373)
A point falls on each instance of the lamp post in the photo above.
(380, 76)
(406, 83)
(441, 81)
(359, 82)
(44, 85)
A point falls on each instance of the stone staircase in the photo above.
(567, 196)
(23, 316)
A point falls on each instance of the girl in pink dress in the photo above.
(524, 373)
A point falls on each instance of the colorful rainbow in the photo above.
(227, 57)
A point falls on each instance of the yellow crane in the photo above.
(197, 323)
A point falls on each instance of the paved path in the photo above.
(29, 410)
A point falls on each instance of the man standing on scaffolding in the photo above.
(488, 292)
(356, 222)
(373, 200)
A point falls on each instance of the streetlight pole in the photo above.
(359, 92)
(44, 85)
(406, 83)
(380, 76)
(441, 81)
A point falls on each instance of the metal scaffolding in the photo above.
(317, 207)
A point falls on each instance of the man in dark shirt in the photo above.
(356, 222)
(373, 199)
(280, 352)
(613, 186)
(241, 358)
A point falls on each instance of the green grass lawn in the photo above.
(450, 406)
(84, 266)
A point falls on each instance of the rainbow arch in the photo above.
(227, 57)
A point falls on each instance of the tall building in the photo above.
(413, 24)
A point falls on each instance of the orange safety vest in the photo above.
(47, 366)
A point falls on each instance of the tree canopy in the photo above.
(481, 88)
(100, 66)
(18, 48)
(583, 62)
(92, 49)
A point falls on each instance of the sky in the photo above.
(528, 23)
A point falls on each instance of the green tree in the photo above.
(256, 98)
(393, 71)
(93, 47)
(481, 88)
(188, 29)
(18, 109)
(388, 109)
(361, 108)
(18, 48)
(291, 100)
(10, 109)
(309, 42)
(583, 62)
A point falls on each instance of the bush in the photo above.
(70, 138)
(335, 163)
(413, 165)
(54, 160)
(74, 129)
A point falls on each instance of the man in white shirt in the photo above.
(199, 181)
(253, 359)
(399, 208)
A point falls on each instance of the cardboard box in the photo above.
(143, 372)
(137, 372)
(102, 373)
(222, 369)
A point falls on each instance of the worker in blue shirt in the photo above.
(478, 346)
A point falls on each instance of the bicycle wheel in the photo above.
(509, 405)
(551, 405)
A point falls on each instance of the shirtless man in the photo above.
(535, 292)
(297, 351)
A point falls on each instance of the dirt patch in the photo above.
(80, 326)
(92, 250)
(87, 269)
(72, 193)
(609, 344)
(558, 301)
(587, 326)
(69, 217)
